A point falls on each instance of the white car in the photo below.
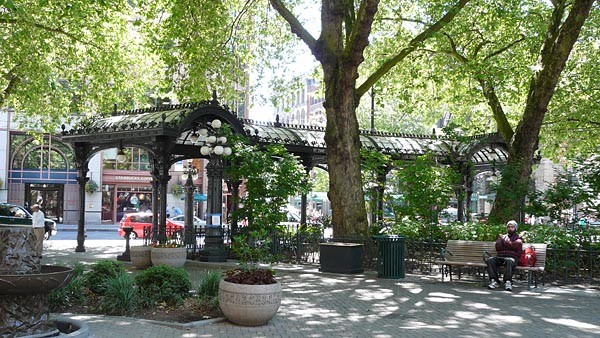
(180, 219)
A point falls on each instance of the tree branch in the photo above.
(295, 25)
(505, 48)
(359, 36)
(412, 45)
(13, 81)
(49, 29)
(238, 17)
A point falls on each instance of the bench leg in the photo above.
(529, 279)
(443, 268)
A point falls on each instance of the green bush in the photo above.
(120, 297)
(209, 284)
(71, 294)
(554, 236)
(163, 284)
(208, 291)
(100, 272)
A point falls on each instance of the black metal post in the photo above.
(214, 250)
(189, 189)
(125, 256)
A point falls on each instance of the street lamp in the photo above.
(214, 145)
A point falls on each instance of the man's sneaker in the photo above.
(493, 285)
(508, 285)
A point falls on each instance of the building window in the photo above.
(136, 159)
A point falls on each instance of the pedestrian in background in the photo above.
(38, 227)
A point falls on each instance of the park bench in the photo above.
(474, 254)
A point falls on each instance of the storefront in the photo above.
(125, 193)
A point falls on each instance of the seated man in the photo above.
(508, 249)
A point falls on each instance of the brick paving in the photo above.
(326, 305)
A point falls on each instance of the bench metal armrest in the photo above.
(443, 254)
(486, 256)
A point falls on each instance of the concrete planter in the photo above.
(249, 305)
(174, 257)
(140, 256)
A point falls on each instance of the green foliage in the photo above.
(425, 187)
(556, 237)
(163, 284)
(71, 294)
(177, 189)
(253, 248)
(91, 186)
(120, 297)
(61, 59)
(209, 284)
(100, 272)
(271, 175)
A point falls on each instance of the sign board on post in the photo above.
(215, 219)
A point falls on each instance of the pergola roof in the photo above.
(142, 127)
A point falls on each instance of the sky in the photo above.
(303, 64)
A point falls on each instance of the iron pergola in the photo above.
(169, 134)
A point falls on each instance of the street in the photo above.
(69, 232)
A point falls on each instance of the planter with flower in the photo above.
(172, 253)
(250, 295)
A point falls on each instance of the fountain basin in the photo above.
(50, 278)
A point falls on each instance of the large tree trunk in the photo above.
(559, 42)
(349, 217)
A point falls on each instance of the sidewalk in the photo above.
(319, 304)
(88, 227)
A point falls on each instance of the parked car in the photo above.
(12, 214)
(180, 219)
(141, 220)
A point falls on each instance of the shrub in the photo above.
(209, 284)
(208, 291)
(163, 284)
(100, 272)
(71, 294)
(120, 297)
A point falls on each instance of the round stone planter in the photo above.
(174, 257)
(249, 305)
(140, 256)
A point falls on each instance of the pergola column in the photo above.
(214, 250)
(82, 161)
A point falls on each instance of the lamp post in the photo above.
(189, 175)
(214, 145)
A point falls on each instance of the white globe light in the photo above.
(211, 139)
(121, 157)
(216, 123)
(205, 150)
(194, 138)
(203, 132)
(226, 151)
(219, 150)
(222, 139)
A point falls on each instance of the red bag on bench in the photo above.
(528, 257)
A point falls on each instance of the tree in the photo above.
(340, 48)
(59, 59)
(516, 62)
(565, 24)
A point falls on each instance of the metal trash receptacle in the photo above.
(390, 261)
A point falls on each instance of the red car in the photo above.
(141, 220)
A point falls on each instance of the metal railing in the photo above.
(563, 266)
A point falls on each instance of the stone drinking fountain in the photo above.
(25, 285)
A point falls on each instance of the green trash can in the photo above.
(391, 256)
